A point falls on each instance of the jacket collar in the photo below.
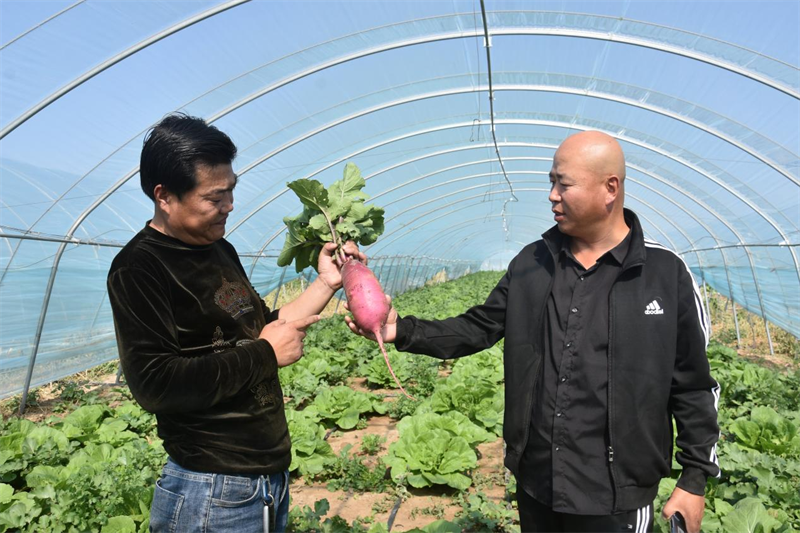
(637, 255)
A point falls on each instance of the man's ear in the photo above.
(163, 198)
(612, 189)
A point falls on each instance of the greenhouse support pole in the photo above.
(404, 283)
(383, 282)
(416, 270)
(408, 274)
(380, 272)
(389, 273)
(431, 272)
(736, 321)
(424, 276)
(394, 279)
(426, 273)
(708, 308)
(421, 270)
(733, 302)
(769, 337)
(42, 315)
(384, 285)
(278, 288)
(398, 277)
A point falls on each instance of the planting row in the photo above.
(94, 469)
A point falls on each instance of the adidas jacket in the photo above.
(657, 364)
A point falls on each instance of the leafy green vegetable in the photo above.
(438, 526)
(766, 430)
(311, 453)
(336, 214)
(306, 519)
(371, 444)
(351, 474)
(377, 373)
(95, 469)
(6, 491)
(474, 389)
(454, 422)
(91, 471)
(435, 449)
(119, 524)
(344, 406)
(750, 516)
(481, 513)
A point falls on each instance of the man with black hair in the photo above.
(199, 347)
(605, 344)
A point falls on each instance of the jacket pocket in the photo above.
(521, 365)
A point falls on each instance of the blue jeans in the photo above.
(187, 502)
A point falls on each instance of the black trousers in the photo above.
(539, 518)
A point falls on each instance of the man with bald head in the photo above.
(605, 344)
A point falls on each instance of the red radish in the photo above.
(368, 304)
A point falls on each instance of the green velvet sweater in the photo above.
(187, 320)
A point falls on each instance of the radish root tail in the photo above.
(377, 334)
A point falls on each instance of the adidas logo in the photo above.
(653, 308)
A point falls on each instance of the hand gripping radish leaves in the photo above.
(338, 214)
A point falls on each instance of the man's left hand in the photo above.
(691, 506)
(329, 268)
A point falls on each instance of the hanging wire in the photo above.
(478, 77)
(488, 45)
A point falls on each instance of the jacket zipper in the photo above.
(536, 383)
(610, 407)
(611, 387)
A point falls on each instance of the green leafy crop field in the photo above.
(365, 458)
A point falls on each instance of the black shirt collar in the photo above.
(618, 253)
(632, 255)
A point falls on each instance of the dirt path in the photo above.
(418, 507)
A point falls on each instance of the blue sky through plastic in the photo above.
(400, 88)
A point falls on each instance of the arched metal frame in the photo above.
(634, 167)
(116, 59)
(714, 213)
(716, 216)
(573, 126)
(61, 248)
(438, 209)
(517, 87)
(639, 169)
(42, 23)
(496, 30)
(340, 60)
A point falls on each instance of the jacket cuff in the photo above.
(273, 315)
(265, 349)
(402, 335)
(693, 480)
